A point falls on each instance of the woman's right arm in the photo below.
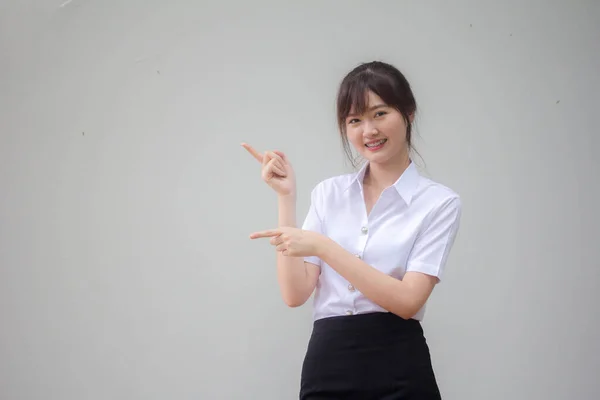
(297, 278)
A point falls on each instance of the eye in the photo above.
(380, 113)
(353, 121)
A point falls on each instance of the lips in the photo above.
(376, 144)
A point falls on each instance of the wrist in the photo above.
(287, 198)
(324, 245)
(287, 210)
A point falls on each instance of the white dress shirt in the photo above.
(411, 227)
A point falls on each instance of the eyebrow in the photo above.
(372, 108)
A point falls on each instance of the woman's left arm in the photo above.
(426, 262)
(402, 297)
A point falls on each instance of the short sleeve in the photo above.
(432, 247)
(313, 221)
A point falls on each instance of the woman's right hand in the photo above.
(276, 170)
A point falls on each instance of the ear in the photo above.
(411, 117)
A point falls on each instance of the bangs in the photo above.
(354, 93)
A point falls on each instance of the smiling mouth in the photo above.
(376, 145)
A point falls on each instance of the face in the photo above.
(379, 134)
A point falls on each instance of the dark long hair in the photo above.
(387, 82)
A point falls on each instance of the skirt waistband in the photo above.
(369, 323)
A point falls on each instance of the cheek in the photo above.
(397, 129)
(355, 138)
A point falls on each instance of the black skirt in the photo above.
(368, 356)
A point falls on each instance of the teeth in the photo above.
(375, 144)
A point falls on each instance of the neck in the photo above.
(381, 176)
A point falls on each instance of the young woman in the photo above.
(373, 246)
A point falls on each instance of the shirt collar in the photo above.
(405, 185)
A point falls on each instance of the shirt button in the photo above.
(351, 288)
(349, 312)
(364, 230)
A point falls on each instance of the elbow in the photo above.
(407, 303)
(406, 311)
(405, 314)
(295, 298)
(293, 302)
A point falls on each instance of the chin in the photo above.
(378, 157)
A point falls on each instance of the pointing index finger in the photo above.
(264, 234)
(251, 150)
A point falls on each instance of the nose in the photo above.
(370, 129)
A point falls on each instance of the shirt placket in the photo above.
(362, 237)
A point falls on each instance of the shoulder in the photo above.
(436, 198)
(436, 191)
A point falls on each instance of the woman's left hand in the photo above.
(293, 242)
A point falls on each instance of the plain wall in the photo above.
(126, 201)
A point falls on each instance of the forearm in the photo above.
(292, 274)
(390, 293)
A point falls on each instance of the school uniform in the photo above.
(358, 350)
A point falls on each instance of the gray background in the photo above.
(126, 201)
